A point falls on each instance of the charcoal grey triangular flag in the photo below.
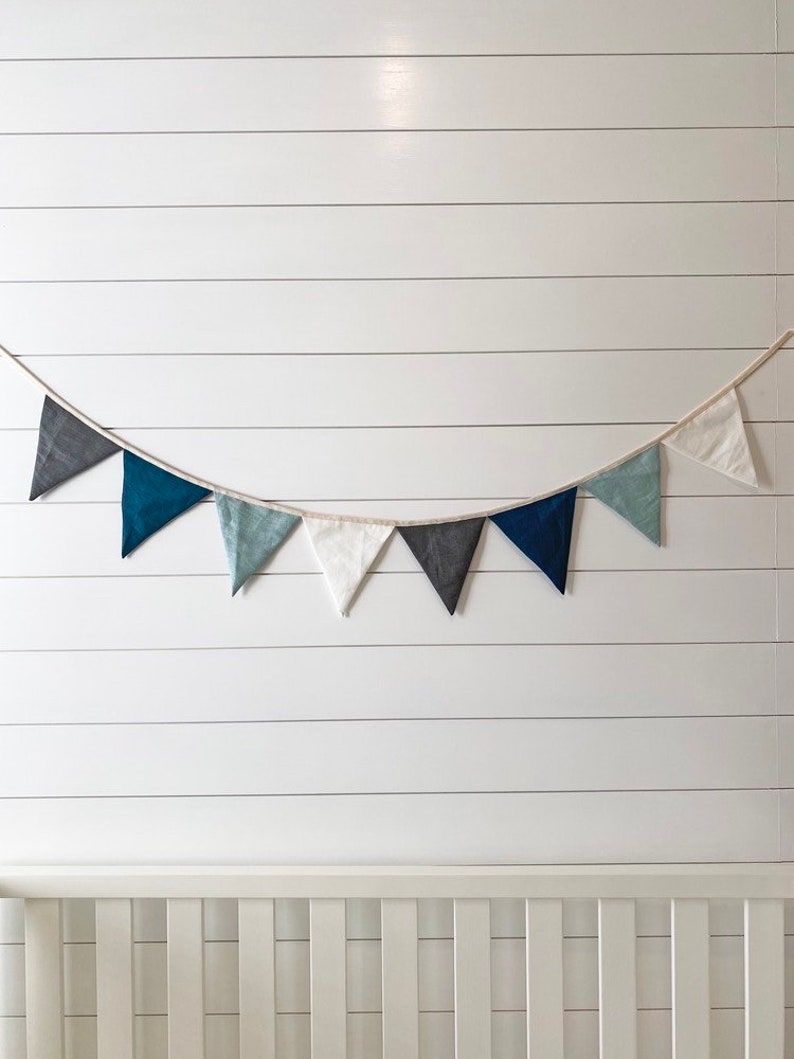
(66, 447)
(445, 551)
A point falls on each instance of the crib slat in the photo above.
(763, 979)
(44, 1023)
(400, 978)
(185, 956)
(472, 979)
(257, 979)
(689, 929)
(544, 980)
(327, 949)
(114, 982)
(617, 979)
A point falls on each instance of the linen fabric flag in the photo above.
(346, 551)
(150, 498)
(717, 438)
(251, 533)
(445, 550)
(66, 447)
(633, 491)
(542, 530)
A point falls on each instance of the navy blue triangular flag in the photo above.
(542, 530)
(66, 447)
(445, 551)
(151, 497)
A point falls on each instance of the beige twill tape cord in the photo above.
(292, 510)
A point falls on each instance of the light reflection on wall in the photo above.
(396, 91)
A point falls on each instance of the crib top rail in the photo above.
(399, 1018)
(713, 881)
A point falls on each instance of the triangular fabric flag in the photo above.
(445, 550)
(66, 447)
(717, 438)
(346, 551)
(633, 491)
(542, 530)
(251, 533)
(151, 497)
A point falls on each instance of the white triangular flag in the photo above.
(717, 438)
(346, 550)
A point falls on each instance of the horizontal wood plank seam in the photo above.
(389, 205)
(485, 278)
(497, 792)
(375, 130)
(286, 56)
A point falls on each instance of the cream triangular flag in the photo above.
(346, 551)
(717, 438)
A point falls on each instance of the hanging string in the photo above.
(292, 510)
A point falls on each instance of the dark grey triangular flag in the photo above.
(445, 551)
(66, 447)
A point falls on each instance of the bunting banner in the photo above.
(252, 529)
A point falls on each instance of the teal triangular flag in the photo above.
(251, 533)
(633, 491)
(542, 530)
(150, 498)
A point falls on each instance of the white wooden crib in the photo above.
(686, 890)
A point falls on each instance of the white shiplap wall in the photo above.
(408, 258)
(397, 258)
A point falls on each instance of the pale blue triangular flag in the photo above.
(633, 491)
(251, 533)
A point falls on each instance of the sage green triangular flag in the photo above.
(251, 533)
(633, 491)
